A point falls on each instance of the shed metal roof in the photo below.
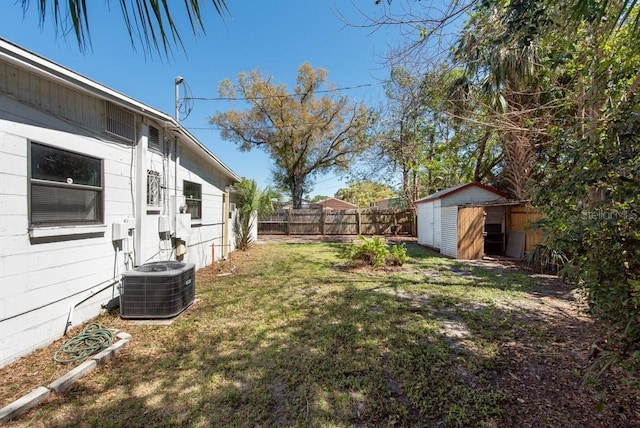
(451, 190)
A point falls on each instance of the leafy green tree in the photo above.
(303, 132)
(363, 193)
(589, 180)
(583, 107)
(251, 203)
(557, 82)
(423, 141)
(150, 22)
(501, 51)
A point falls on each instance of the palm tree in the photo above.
(149, 21)
(251, 203)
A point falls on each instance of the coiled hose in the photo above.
(90, 341)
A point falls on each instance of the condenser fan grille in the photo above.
(157, 290)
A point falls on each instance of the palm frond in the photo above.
(149, 23)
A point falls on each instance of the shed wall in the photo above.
(449, 231)
(437, 224)
(521, 218)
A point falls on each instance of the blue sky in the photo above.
(275, 36)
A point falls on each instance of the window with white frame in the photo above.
(153, 189)
(66, 188)
(193, 198)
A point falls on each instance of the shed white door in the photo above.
(423, 223)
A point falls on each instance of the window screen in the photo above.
(66, 187)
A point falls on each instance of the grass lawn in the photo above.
(293, 338)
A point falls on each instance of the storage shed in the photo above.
(443, 222)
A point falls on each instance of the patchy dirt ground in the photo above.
(541, 366)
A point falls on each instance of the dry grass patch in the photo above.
(289, 340)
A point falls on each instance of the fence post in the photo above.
(358, 221)
(289, 221)
(322, 220)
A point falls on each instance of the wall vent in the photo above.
(154, 138)
(120, 121)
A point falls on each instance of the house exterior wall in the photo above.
(210, 229)
(449, 230)
(43, 278)
(56, 276)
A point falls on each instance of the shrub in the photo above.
(375, 252)
(398, 255)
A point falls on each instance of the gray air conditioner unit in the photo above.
(157, 290)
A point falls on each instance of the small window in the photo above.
(193, 198)
(65, 187)
(120, 121)
(153, 188)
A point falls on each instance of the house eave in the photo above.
(41, 66)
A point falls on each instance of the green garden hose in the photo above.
(90, 341)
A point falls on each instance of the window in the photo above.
(153, 188)
(120, 122)
(66, 187)
(193, 198)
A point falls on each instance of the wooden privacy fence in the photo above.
(337, 222)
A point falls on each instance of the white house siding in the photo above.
(59, 100)
(449, 228)
(45, 280)
(209, 230)
(42, 279)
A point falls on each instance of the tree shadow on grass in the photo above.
(344, 350)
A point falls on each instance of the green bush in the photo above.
(398, 255)
(375, 252)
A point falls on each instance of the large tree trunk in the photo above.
(477, 173)
(296, 186)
